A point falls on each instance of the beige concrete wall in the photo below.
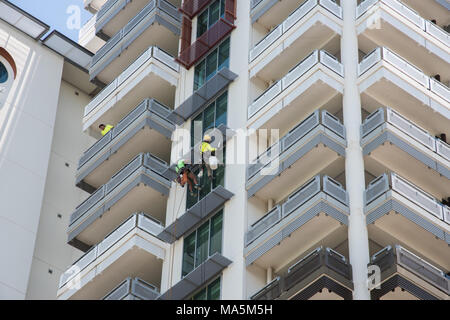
(52, 255)
(26, 129)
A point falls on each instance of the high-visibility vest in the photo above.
(108, 128)
(205, 147)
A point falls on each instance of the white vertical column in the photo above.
(354, 164)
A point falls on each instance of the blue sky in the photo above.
(54, 13)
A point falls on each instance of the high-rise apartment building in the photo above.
(330, 121)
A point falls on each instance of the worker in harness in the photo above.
(208, 153)
(185, 175)
(105, 128)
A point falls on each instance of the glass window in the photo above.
(211, 64)
(210, 16)
(3, 73)
(219, 58)
(221, 109)
(200, 75)
(188, 254)
(214, 12)
(215, 237)
(202, 243)
(224, 55)
(209, 292)
(208, 117)
(213, 116)
(202, 24)
(214, 290)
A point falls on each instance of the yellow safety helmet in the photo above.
(206, 138)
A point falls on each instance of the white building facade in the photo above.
(330, 121)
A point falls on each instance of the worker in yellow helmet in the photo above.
(206, 151)
(105, 128)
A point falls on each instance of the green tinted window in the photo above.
(216, 234)
(213, 291)
(221, 109)
(213, 116)
(209, 292)
(202, 244)
(200, 75)
(210, 16)
(224, 55)
(202, 23)
(219, 58)
(188, 254)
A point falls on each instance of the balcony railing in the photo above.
(293, 136)
(131, 31)
(293, 18)
(409, 14)
(150, 106)
(295, 73)
(205, 43)
(155, 165)
(394, 182)
(305, 267)
(192, 7)
(389, 256)
(139, 220)
(383, 115)
(152, 53)
(384, 54)
(294, 201)
(133, 289)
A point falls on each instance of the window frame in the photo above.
(213, 215)
(204, 60)
(205, 287)
(207, 9)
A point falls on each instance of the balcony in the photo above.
(195, 215)
(316, 211)
(154, 25)
(417, 279)
(145, 129)
(133, 289)
(318, 141)
(130, 250)
(197, 278)
(385, 79)
(207, 41)
(87, 36)
(306, 279)
(399, 211)
(314, 82)
(411, 151)
(115, 14)
(93, 5)
(315, 24)
(154, 74)
(434, 9)
(392, 24)
(137, 187)
(201, 98)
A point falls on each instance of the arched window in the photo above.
(3, 73)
